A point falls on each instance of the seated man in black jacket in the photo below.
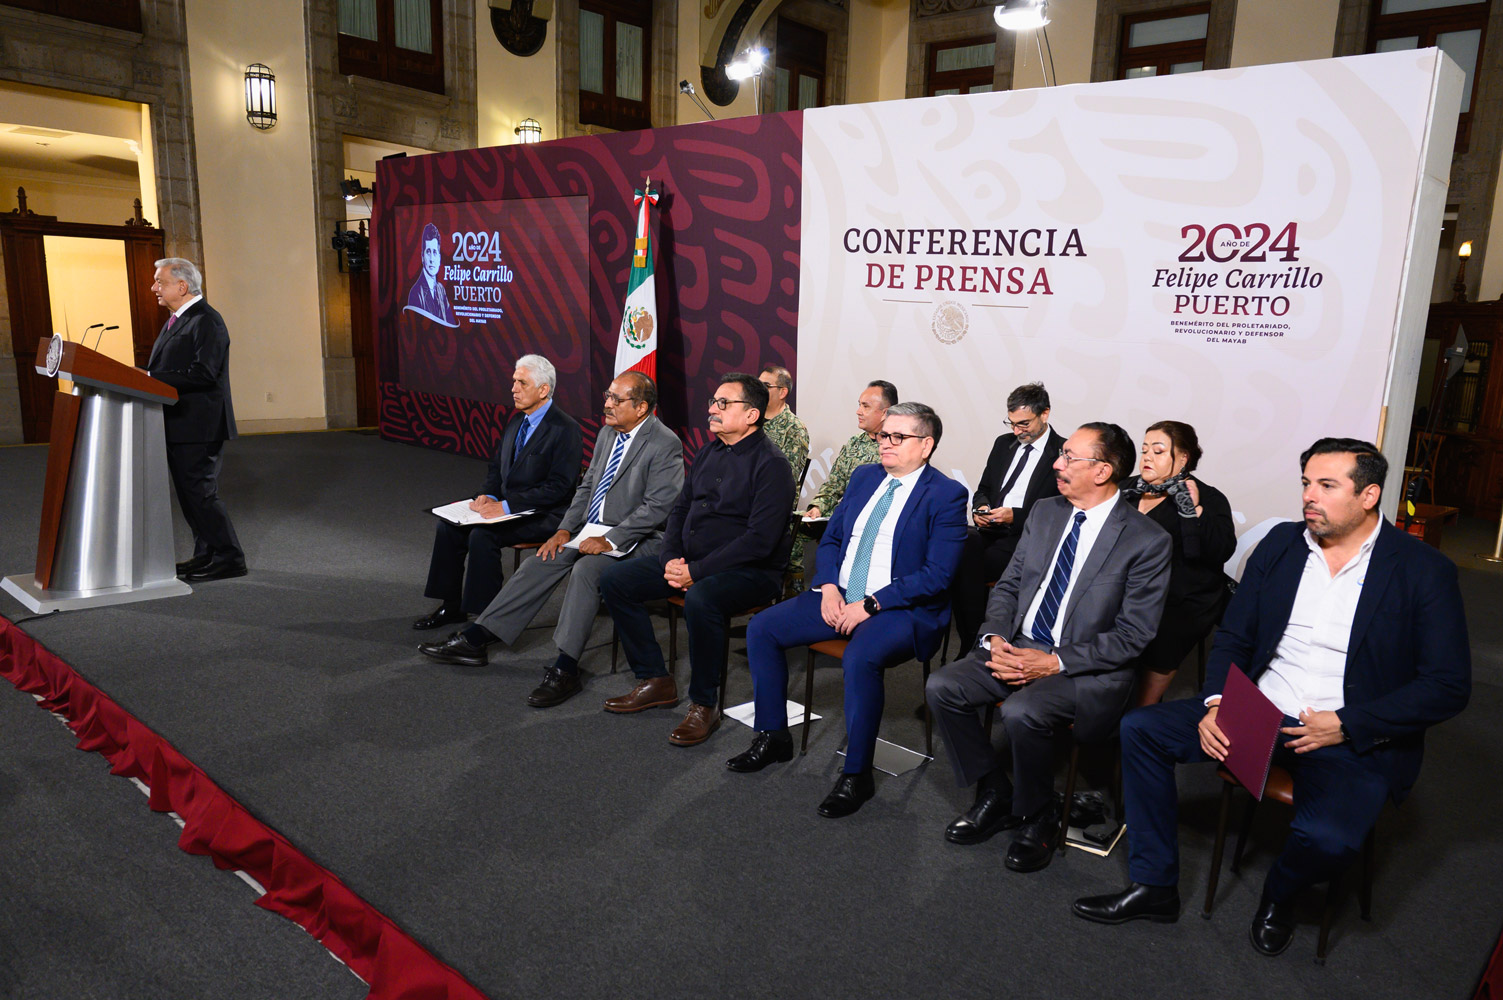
(535, 468)
(724, 549)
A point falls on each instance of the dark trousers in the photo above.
(465, 569)
(1338, 794)
(882, 641)
(982, 561)
(708, 608)
(1030, 715)
(194, 466)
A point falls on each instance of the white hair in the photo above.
(183, 270)
(541, 368)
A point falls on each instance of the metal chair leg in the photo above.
(1064, 820)
(1217, 851)
(672, 639)
(808, 701)
(1242, 835)
(928, 715)
(944, 647)
(1325, 919)
(615, 647)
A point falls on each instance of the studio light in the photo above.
(352, 189)
(749, 66)
(529, 131)
(1021, 15)
(260, 96)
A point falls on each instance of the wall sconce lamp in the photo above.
(1458, 287)
(260, 96)
(529, 131)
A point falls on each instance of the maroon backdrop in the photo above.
(727, 261)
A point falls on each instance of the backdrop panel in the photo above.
(1224, 248)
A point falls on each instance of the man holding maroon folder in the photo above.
(1356, 632)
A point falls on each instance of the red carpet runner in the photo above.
(394, 965)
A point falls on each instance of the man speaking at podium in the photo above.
(192, 354)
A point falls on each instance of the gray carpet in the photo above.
(572, 852)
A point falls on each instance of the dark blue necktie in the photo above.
(1059, 582)
(521, 438)
(597, 502)
(1016, 472)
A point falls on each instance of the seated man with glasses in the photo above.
(1080, 599)
(1018, 474)
(724, 550)
(883, 581)
(634, 477)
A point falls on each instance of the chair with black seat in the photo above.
(836, 648)
(1280, 788)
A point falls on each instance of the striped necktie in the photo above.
(856, 588)
(1059, 582)
(607, 477)
(522, 433)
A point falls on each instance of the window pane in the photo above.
(629, 61)
(1396, 44)
(808, 91)
(358, 18)
(1462, 46)
(1187, 67)
(946, 91)
(780, 91)
(1404, 6)
(1136, 71)
(965, 57)
(592, 52)
(980, 88)
(1168, 29)
(414, 25)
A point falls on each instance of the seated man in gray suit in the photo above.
(634, 478)
(1080, 599)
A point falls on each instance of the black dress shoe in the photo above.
(767, 748)
(455, 649)
(849, 792)
(992, 812)
(225, 569)
(443, 616)
(194, 565)
(1036, 842)
(1159, 903)
(558, 687)
(1272, 927)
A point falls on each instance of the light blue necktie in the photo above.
(856, 589)
(1059, 582)
(606, 478)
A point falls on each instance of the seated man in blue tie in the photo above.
(885, 564)
(1356, 631)
(1079, 601)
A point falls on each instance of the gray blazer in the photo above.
(645, 488)
(1113, 611)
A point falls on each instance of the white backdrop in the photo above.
(1227, 248)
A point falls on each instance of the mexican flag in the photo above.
(637, 338)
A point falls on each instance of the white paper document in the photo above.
(746, 714)
(815, 520)
(593, 530)
(459, 512)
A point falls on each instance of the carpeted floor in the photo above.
(570, 852)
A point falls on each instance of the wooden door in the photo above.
(30, 320)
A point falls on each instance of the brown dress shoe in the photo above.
(651, 693)
(697, 726)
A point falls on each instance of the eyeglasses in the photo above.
(1077, 458)
(720, 402)
(1019, 425)
(771, 386)
(611, 397)
(894, 438)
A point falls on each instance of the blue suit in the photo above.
(1408, 667)
(927, 542)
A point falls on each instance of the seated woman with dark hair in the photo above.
(1199, 519)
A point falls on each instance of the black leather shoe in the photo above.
(767, 748)
(1036, 842)
(194, 565)
(441, 617)
(1159, 903)
(455, 649)
(1272, 927)
(226, 569)
(557, 688)
(991, 813)
(849, 792)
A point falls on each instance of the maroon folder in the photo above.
(1251, 724)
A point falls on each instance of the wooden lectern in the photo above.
(106, 529)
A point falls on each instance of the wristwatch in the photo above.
(871, 605)
(1345, 736)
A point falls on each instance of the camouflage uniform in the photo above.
(861, 449)
(788, 432)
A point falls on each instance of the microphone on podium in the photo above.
(83, 337)
(100, 339)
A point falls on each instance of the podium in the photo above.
(106, 528)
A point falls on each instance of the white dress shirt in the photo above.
(879, 570)
(178, 312)
(1308, 669)
(1019, 491)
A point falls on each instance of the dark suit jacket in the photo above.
(1113, 610)
(1408, 661)
(194, 358)
(926, 547)
(543, 477)
(1040, 485)
(643, 491)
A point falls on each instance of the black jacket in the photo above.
(543, 477)
(193, 356)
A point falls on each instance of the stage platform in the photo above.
(567, 852)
